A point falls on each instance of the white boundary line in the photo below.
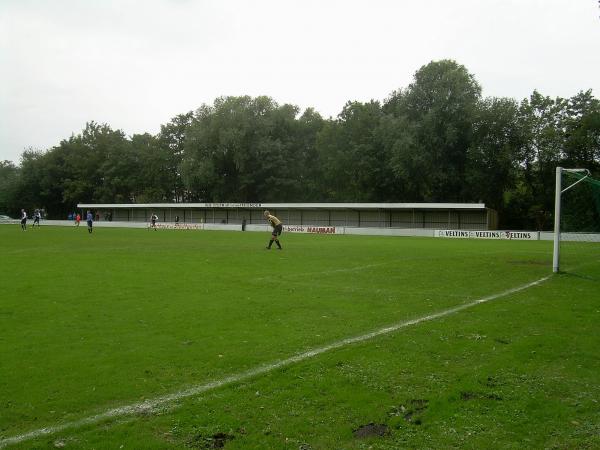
(149, 405)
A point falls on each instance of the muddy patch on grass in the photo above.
(371, 430)
(492, 382)
(411, 411)
(217, 440)
(416, 407)
(468, 395)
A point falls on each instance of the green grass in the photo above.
(93, 322)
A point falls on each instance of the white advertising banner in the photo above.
(181, 226)
(312, 229)
(231, 205)
(496, 234)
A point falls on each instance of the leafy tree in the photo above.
(304, 158)
(97, 166)
(153, 177)
(492, 158)
(9, 178)
(353, 159)
(171, 142)
(94, 166)
(398, 136)
(581, 123)
(436, 113)
(37, 186)
(245, 149)
(541, 118)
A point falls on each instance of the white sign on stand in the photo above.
(496, 234)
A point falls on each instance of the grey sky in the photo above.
(136, 64)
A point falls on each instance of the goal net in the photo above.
(577, 220)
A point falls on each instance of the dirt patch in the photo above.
(370, 430)
(416, 407)
(217, 440)
(468, 395)
(492, 382)
(411, 411)
(419, 404)
(479, 395)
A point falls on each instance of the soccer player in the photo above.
(277, 229)
(36, 218)
(90, 221)
(23, 220)
(153, 219)
(77, 219)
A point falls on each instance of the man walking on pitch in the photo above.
(36, 218)
(23, 220)
(277, 229)
(90, 221)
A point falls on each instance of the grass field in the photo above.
(89, 323)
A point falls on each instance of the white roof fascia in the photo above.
(475, 206)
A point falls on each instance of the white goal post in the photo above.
(557, 204)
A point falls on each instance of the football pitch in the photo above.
(128, 338)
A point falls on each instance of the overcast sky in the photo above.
(136, 64)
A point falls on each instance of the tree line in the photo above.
(437, 140)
